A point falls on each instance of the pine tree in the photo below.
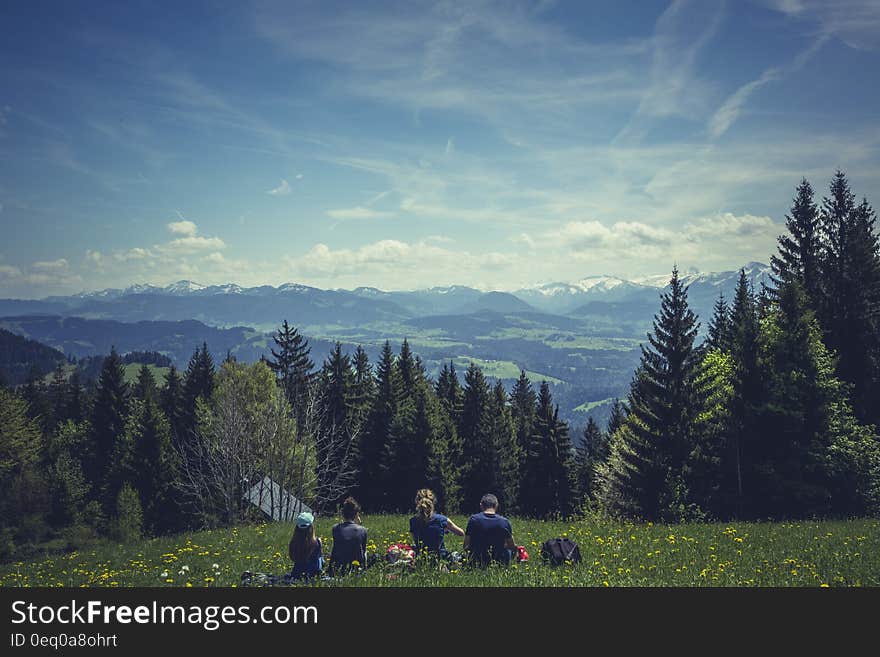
(293, 367)
(523, 401)
(719, 326)
(798, 257)
(643, 475)
(859, 341)
(616, 417)
(374, 443)
(109, 415)
(145, 387)
(153, 466)
(549, 472)
(198, 383)
(476, 437)
(592, 451)
(449, 391)
(337, 390)
(747, 396)
(505, 447)
(171, 399)
(76, 399)
(789, 478)
(364, 385)
(57, 398)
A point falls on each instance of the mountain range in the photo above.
(265, 306)
(581, 336)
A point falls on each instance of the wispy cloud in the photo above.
(734, 105)
(283, 189)
(855, 22)
(359, 212)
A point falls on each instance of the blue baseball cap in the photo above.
(304, 519)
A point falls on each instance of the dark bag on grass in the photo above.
(557, 551)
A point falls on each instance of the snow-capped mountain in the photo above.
(564, 297)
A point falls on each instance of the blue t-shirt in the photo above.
(429, 536)
(311, 566)
(488, 537)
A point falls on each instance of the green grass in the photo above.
(586, 407)
(132, 369)
(833, 553)
(502, 369)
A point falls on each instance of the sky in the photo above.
(407, 145)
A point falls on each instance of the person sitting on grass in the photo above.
(428, 527)
(349, 540)
(489, 536)
(305, 548)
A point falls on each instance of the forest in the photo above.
(773, 416)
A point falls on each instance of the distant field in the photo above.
(815, 554)
(502, 369)
(132, 369)
(586, 407)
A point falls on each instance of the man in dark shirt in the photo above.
(349, 540)
(488, 536)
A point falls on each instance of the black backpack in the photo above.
(557, 551)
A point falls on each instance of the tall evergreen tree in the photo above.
(145, 387)
(616, 417)
(109, 414)
(476, 436)
(292, 366)
(747, 395)
(198, 384)
(171, 400)
(364, 384)
(336, 446)
(505, 466)
(834, 224)
(449, 391)
(549, 468)
(592, 451)
(799, 251)
(374, 444)
(643, 475)
(719, 326)
(153, 466)
(859, 341)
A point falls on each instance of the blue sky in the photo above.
(405, 145)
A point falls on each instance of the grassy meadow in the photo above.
(815, 554)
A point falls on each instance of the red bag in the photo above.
(521, 554)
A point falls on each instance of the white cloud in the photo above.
(183, 227)
(215, 258)
(136, 253)
(855, 22)
(299, 176)
(8, 271)
(395, 264)
(359, 212)
(282, 190)
(59, 265)
(193, 244)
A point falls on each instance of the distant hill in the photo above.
(22, 358)
(499, 302)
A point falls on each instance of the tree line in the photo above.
(773, 415)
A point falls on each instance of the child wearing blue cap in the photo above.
(305, 548)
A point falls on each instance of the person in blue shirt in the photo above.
(305, 548)
(428, 527)
(489, 536)
(349, 540)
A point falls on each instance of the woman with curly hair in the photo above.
(429, 527)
